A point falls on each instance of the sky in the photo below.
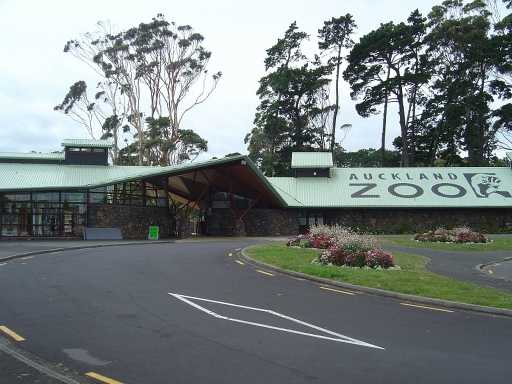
(35, 73)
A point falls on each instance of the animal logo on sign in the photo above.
(486, 184)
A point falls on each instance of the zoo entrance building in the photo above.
(66, 193)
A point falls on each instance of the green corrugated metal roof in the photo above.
(87, 143)
(19, 176)
(346, 188)
(399, 187)
(32, 156)
(312, 160)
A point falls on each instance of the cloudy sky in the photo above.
(35, 73)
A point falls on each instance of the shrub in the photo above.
(355, 259)
(304, 243)
(294, 241)
(343, 246)
(321, 240)
(378, 258)
(333, 255)
(455, 235)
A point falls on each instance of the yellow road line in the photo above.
(337, 290)
(11, 333)
(103, 379)
(265, 272)
(239, 262)
(425, 307)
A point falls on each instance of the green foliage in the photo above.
(365, 158)
(152, 76)
(292, 95)
(450, 75)
(387, 62)
(333, 37)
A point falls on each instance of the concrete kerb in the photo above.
(480, 267)
(87, 246)
(380, 292)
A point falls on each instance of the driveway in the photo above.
(191, 313)
(461, 265)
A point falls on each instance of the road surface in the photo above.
(191, 313)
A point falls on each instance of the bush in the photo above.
(378, 258)
(305, 243)
(343, 246)
(455, 235)
(321, 240)
(355, 259)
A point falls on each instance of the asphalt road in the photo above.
(463, 265)
(108, 310)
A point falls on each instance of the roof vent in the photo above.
(312, 164)
(86, 152)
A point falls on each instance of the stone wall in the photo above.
(415, 220)
(134, 222)
(256, 222)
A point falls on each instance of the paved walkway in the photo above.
(461, 265)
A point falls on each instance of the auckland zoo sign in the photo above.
(424, 187)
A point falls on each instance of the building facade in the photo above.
(60, 194)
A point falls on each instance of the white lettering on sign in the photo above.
(450, 186)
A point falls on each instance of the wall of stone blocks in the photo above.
(256, 222)
(396, 221)
(133, 221)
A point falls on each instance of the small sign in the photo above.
(154, 232)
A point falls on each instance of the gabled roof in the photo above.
(400, 188)
(86, 143)
(31, 177)
(57, 156)
(312, 160)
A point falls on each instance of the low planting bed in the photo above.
(461, 235)
(343, 247)
(493, 243)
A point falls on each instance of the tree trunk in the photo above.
(403, 128)
(337, 102)
(384, 121)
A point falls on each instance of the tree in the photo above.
(394, 49)
(503, 115)
(333, 38)
(104, 116)
(365, 158)
(292, 95)
(466, 58)
(160, 70)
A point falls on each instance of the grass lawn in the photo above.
(413, 278)
(501, 243)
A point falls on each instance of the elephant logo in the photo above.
(486, 184)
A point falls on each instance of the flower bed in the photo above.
(344, 247)
(455, 235)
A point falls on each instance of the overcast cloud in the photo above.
(35, 74)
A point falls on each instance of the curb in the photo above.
(381, 292)
(479, 267)
(53, 250)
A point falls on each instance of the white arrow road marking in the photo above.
(338, 337)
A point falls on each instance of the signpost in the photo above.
(154, 232)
